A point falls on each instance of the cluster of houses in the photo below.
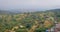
(55, 28)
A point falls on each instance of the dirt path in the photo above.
(34, 27)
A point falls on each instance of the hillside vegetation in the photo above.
(29, 22)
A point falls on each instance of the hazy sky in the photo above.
(29, 4)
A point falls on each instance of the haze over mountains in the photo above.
(29, 4)
(20, 6)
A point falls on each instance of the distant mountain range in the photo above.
(22, 11)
